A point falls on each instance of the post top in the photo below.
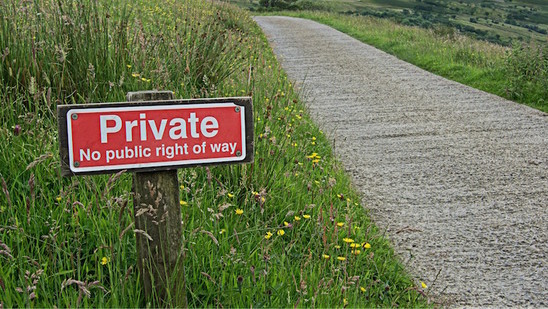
(150, 95)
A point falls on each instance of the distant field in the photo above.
(497, 21)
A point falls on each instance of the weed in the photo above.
(527, 72)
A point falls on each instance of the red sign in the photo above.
(151, 136)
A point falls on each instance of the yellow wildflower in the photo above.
(348, 240)
(367, 245)
(222, 231)
(306, 216)
(105, 260)
(313, 138)
(128, 66)
(362, 289)
(59, 199)
(239, 211)
(135, 75)
(354, 245)
(341, 258)
(268, 235)
(337, 247)
(286, 223)
(297, 218)
(345, 302)
(182, 187)
(424, 286)
(340, 224)
(356, 252)
(281, 232)
(183, 203)
(230, 195)
(325, 256)
(315, 161)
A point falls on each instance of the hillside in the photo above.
(501, 22)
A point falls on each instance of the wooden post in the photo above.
(158, 227)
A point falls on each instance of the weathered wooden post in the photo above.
(158, 225)
(152, 135)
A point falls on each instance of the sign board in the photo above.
(154, 135)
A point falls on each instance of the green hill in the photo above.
(501, 22)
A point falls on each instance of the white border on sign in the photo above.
(152, 164)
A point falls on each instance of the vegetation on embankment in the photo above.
(519, 73)
(285, 231)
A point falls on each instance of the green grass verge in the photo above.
(519, 73)
(287, 230)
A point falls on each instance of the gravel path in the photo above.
(457, 177)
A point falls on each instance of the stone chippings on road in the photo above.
(457, 177)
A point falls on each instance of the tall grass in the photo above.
(516, 74)
(527, 75)
(275, 233)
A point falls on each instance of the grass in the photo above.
(287, 230)
(519, 73)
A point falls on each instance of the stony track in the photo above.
(457, 177)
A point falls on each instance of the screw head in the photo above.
(237, 109)
(74, 116)
(76, 164)
(238, 153)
